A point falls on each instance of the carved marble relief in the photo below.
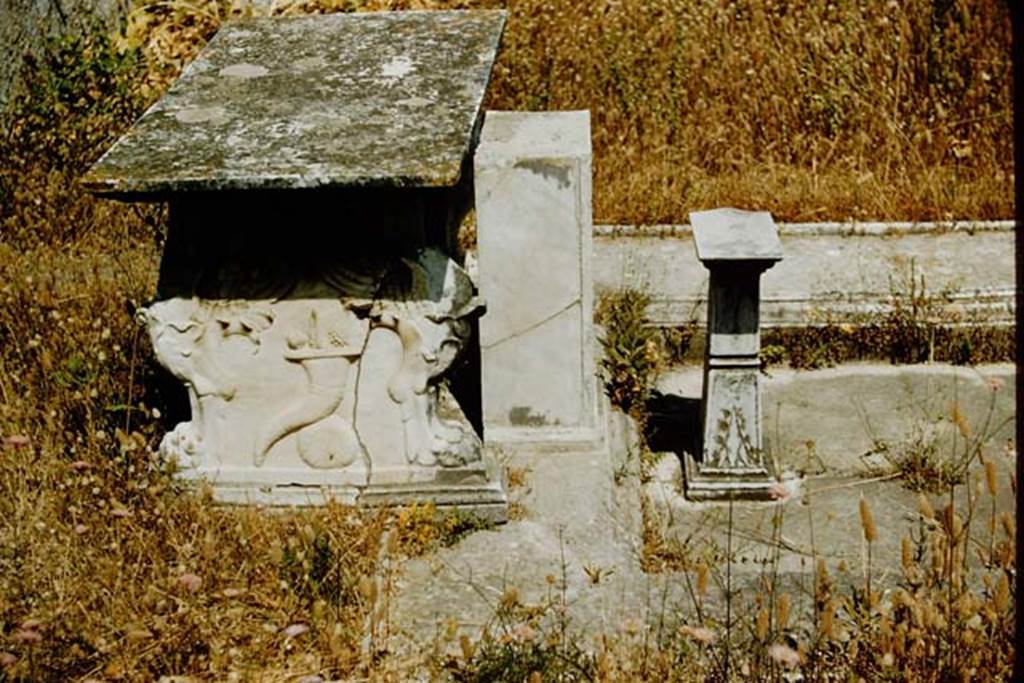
(276, 382)
(732, 439)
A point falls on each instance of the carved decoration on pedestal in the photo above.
(275, 383)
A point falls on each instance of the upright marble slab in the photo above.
(737, 247)
(316, 170)
(534, 243)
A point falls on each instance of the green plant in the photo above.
(915, 327)
(678, 343)
(72, 102)
(924, 463)
(631, 359)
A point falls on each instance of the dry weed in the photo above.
(109, 571)
(814, 111)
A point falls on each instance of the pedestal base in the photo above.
(725, 486)
(474, 490)
(733, 464)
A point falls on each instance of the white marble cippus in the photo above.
(310, 299)
(534, 244)
(736, 247)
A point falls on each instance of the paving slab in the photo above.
(578, 529)
(819, 522)
(583, 519)
(834, 419)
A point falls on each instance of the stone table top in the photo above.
(367, 99)
(735, 235)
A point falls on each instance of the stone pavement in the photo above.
(582, 520)
(577, 526)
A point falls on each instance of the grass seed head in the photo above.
(924, 506)
(867, 521)
(782, 611)
(991, 477)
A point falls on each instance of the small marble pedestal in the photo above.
(736, 247)
(310, 300)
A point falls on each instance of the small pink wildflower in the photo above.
(27, 635)
(524, 633)
(81, 529)
(7, 659)
(995, 383)
(702, 635)
(778, 492)
(295, 630)
(781, 491)
(17, 440)
(80, 465)
(31, 624)
(191, 582)
(784, 655)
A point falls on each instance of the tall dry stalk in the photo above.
(870, 531)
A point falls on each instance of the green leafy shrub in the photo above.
(72, 103)
(632, 353)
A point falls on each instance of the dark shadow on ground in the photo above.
(673, 424)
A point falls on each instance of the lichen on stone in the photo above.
(367, 99)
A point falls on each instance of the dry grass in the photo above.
(108, 571)
(810, 110)
(814, 111)
(944, 613)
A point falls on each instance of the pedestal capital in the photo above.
(733, 239)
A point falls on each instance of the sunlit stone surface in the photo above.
(381, 99)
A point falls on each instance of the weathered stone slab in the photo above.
(837, 276)
(833, 420)
(534, 236)
(735, 235)
(367, 99)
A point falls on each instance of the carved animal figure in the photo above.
(186, 336)
(431, 320)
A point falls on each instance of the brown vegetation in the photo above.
(109, 571)
(814, 111)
